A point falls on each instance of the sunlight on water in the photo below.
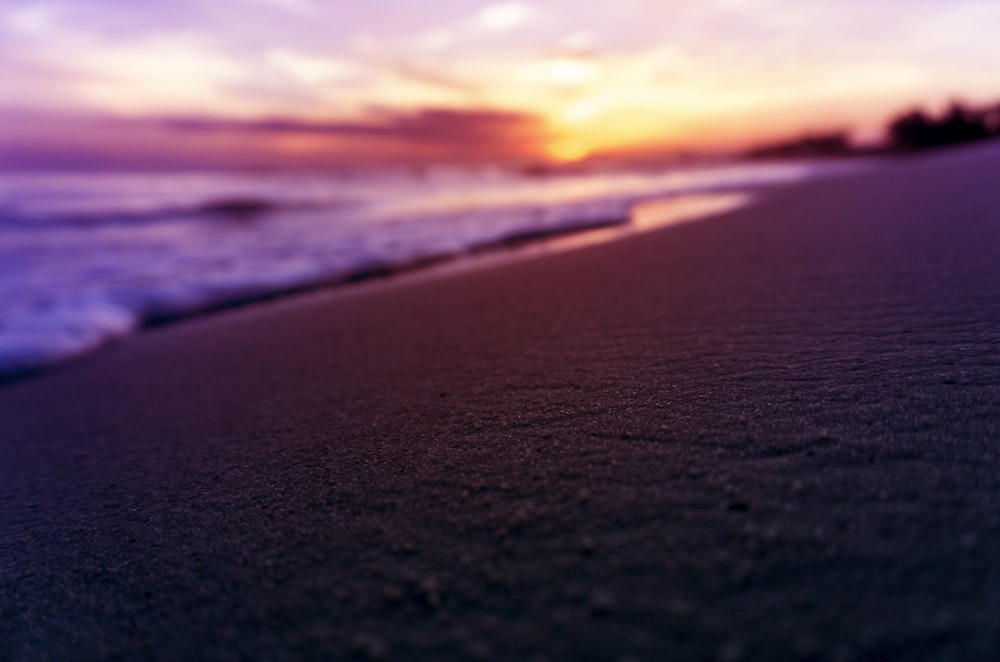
(660, 212)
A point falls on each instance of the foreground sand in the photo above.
(771, 435)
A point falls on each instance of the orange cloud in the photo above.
(423, 136)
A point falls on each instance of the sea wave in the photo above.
(224, 208)
(86, 261)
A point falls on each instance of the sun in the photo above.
(567, 150)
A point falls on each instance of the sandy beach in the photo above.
(768, 435)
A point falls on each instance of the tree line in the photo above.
(909, 131)
(917, 130)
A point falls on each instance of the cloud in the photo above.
(166, 72)
(433, 124)
(570, 71)
(504, 16)
(583, 64)
(579, 42)
(32, 140)
(311, 70)
(294, 6)
(30, 20)
(436, 40)
(431, 76)
(456, 134)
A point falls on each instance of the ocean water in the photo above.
(89, 258)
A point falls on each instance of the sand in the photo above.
(774, 434)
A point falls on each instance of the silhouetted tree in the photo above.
(915, 130)
(911, 130)
(961, 124)
(825, 144)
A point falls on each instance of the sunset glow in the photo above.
(677, 75)
(567, 150)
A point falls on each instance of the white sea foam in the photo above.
(37, 338)
(87, 258)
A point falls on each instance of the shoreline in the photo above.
(662, 211)
(766, 436)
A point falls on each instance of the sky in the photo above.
(317, 82)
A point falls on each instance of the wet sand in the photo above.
(774, 434)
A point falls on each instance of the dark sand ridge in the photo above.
(769, 435)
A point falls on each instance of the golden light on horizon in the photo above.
(568, 150)
(589, 126)
(587, 77)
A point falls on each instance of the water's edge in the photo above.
(645, 216)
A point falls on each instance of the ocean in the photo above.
(89, 258)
